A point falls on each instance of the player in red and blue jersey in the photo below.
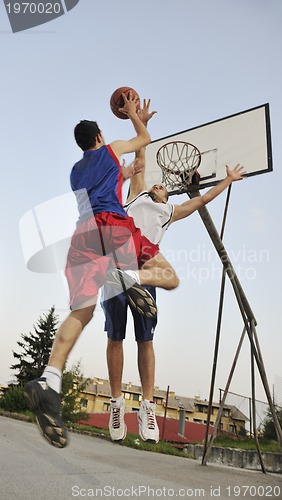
(105, 243)
(97, 179)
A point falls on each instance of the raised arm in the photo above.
(142, 137)
(190, 206)
(137, 181)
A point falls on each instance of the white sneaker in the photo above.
(117, 426)
(148, 427)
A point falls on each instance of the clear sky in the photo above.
(198, 60)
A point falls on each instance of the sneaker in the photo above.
(117, 426)
(138, 297)
(45, 403)
(147, 423)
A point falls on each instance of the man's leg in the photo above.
(159, 273)
(155, 272)
(115, 366)
(67, 335)
(115, 309)
(147, 423)
(144, 333)
(146, 367)
(43, 399)
(117, 425)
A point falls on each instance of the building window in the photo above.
(106, 407)
(201, 408)
(197, 420)
(83, 403)
(158, 401)
(126, 395)
(135, 409)
(225, 413)
(136, 397)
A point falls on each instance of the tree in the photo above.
(35, 348)
(269, 431)
(34, 356)
(72, 388)
(13, 399)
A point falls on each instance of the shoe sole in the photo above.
(50, 429)
(138, 297)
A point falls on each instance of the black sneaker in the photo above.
(138, 297)
(45, 403)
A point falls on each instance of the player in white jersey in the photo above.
(152, 218)
(153, 215)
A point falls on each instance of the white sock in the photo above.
(134, 275)
(117, 400)
(53, 378)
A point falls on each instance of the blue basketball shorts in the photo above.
(116, 309)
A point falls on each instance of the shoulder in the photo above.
(140, 197)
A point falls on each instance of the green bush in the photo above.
(13, 399)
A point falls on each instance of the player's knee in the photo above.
(84, 315)
(88, 314)
(173, 280)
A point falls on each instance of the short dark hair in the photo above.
(85, 134)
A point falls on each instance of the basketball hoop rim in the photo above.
(180, 142)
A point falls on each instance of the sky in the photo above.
(198, 61)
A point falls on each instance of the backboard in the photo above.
(243, 138)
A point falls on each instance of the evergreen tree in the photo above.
(73, 386)
(269, 431)
(35, 351)
(35, 348)
(13, 400)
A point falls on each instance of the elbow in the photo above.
(144, 140)
(147, 138)
(204, 200)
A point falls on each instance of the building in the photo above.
(97, 395)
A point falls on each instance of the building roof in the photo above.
(101, 387)
(236, 414)
(194, 432)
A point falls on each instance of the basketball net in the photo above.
(179, 162)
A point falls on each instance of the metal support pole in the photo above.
(254, 411)
(218, 328)
(219, 413)
(165, 412)
(267, 388)
(246, 312)
(250, 414)
(208, 222)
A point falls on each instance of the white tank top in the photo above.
(150, 217)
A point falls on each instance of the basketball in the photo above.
(117, 101)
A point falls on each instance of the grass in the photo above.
(246, 444)
(27, 415)
(133, 441)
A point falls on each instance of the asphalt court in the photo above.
(95, 468)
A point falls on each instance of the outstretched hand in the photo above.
(144, 114)
(237, 173)
(134, 168)
(130, 104)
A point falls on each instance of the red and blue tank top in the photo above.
(97, 183)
